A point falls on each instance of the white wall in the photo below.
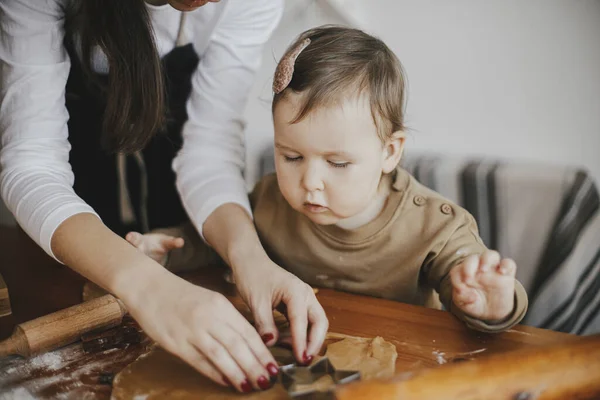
(509, 79)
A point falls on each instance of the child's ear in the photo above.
(392, 151)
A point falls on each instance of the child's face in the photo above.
(330, 163)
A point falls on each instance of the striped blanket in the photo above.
(545, 217)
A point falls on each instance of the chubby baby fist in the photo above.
(155, 245)
(483, 286)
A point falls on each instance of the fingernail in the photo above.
(263, 383)
(267, 337)
(246, 387)
(273, 370)
(306, 358)
(227, 382)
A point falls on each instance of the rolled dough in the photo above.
(374, 358)
(160, 375)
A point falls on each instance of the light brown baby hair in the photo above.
(340, 62)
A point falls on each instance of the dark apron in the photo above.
(95, 170)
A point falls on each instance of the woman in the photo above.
(99, 99)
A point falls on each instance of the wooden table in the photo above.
(425, 338)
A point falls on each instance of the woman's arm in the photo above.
(36, 179)
(264, 285)
(210, 174)
(82, 241)
(196, 324)
(211, 162)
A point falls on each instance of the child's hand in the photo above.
(155, 245)
(484, 286)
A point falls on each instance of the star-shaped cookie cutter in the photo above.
(293, 377)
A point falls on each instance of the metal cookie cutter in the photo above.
(295, 379)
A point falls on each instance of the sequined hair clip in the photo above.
(285, 68)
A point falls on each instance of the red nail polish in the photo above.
(246, 387)
(307, 359)
(267, 337)
(273, 370)
(263, 383)
(227, 382)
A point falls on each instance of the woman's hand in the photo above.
(265, 286)
(198, 325)
(204, 329)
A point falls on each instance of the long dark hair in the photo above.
(135, 98)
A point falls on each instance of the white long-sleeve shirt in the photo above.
(36, 179)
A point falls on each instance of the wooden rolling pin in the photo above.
(569, 370)
(63, 327)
